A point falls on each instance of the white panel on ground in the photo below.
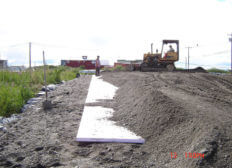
(100, 89)
(95, 125)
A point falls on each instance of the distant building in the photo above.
(129, 64)
(130, 61)
(87, 64)
(3, 64)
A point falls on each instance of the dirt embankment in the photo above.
(177, 112)
(46, 138)
(174, 112)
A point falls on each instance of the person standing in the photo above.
(171, 49)
(98, 66)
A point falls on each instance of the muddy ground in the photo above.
(174, 112)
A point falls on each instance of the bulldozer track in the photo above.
(188, 104)
(202, 89)
(220, 81)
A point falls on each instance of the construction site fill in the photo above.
(95, 125)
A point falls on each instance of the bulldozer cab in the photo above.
(170, 50)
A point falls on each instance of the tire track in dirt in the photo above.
(220, 82)
(179, 89)
(204, 110)
(196, 85)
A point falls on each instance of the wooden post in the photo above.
(46, 104)
(230, 39)
(188, 58)
(30, 59)
(45, 80)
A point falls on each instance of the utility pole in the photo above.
(30, 58)
(45, 79)
(230, 39)
(186, 63)
(46, 104)
(188, 56)
(151, 48)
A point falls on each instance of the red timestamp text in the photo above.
(188, 155)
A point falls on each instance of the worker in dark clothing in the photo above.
(98, 66)
(171, 49)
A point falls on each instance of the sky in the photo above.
(115, 29)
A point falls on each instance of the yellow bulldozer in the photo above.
(163, 61)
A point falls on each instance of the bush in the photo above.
(82, 67)
(215, 70)
(53, 76)
(68, 75)
(108, 69)
(119, 68)
(37, 77)
(178, 68)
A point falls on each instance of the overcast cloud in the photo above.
(115, 29)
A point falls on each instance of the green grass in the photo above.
(179, 68)
(17, 88)
(117, 68)
(215, 70)
(12, 98)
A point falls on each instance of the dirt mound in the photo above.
(163, 109)
(199, 69)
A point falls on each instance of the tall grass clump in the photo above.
(70, 73)
(119, 68)
(12, 98)
(16, 88)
